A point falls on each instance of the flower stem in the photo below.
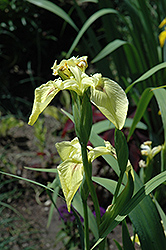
(86, 224)
(88, 176)
(118, 187)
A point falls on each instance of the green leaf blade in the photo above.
(121, 150)
(127, 243)
(54, 9)
(160, 95)
(87, 24)
(112, 46)
(142, 105)
(147, 75)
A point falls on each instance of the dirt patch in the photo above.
(32, 232)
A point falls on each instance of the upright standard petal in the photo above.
(71, 175)
(64, 66)
(69, 150)
(78, 81)
(43, 96)
(110, 99)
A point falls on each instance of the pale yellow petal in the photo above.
(111, 100)
(162, 38)
(64, 66)
(162, 23)
(78, 82)
(71, 175)
(69, 150)
(98, 151)
(43, 96)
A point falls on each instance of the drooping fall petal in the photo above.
(71, 175)
(110, 99)
(43, 96)
(71, 170)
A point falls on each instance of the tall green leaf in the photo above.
(109, 48)
(144, 215)
(121, 150)
(28, 180)
(98, 141)
(127, 243)
(160, 95)
(56, 186)
(141, 108)
(105, 125)
(77, 204)
(109, 184)
(146, 75)
(87, 24)
(116, 209)
(162, 214)
(54, 9)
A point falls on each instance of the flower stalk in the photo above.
(75, 171)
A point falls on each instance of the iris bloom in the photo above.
(147, 149)
(163, 23)
(71, 169)
(162, 38)
(149, 152)
(106, 94)
(162, 35)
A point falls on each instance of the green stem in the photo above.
(88, 176)
(148, 171)
(86, 224)
(163, 158)
(118, 187)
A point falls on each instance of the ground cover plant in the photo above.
(133, 54)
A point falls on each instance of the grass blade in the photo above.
(112, 46)
(54, 9)
(25, 179)
(147, 75)
(142, 105)
(105, 125)
(160, 95)
(127, 243)
(87, 24)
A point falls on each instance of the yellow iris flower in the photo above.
(71, 169)
(106, 94)
(162, 37)
(163, 23)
